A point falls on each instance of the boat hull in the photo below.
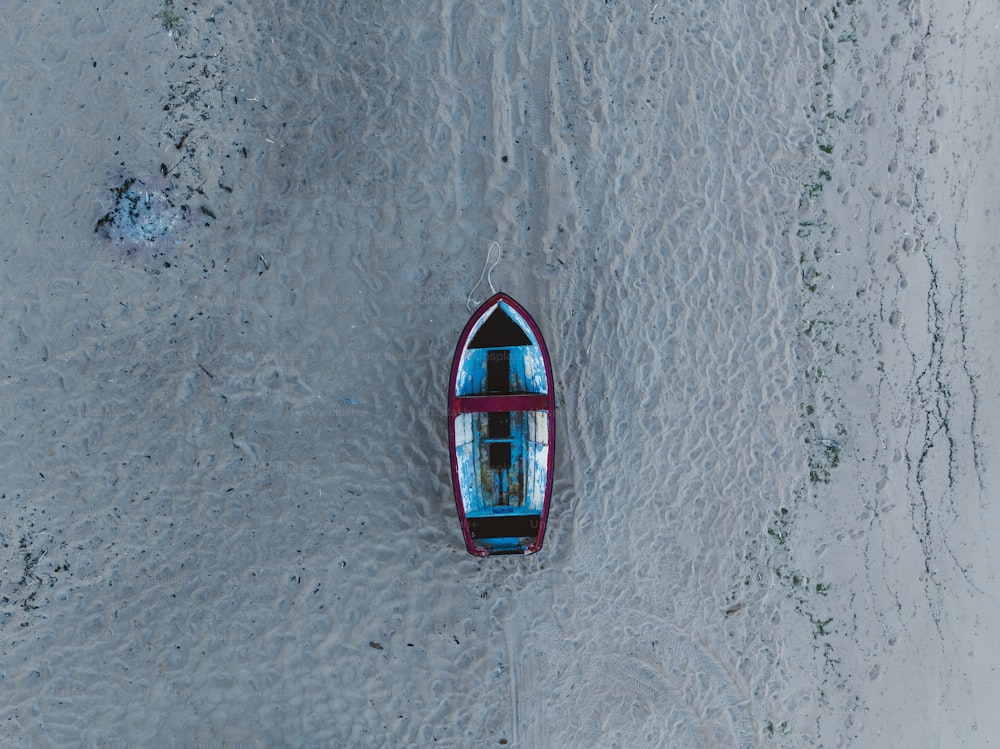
(501, 428)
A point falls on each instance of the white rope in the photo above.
(487, 272)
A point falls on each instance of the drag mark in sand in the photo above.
(514, 641)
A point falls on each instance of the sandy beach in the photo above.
(760, 241)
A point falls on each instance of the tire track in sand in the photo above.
(685, 694)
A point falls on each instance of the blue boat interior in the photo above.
(502, 357)
(502, 460)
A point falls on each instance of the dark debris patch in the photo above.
(139, 216)
(153, 213)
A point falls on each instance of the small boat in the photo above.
(501, 428)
